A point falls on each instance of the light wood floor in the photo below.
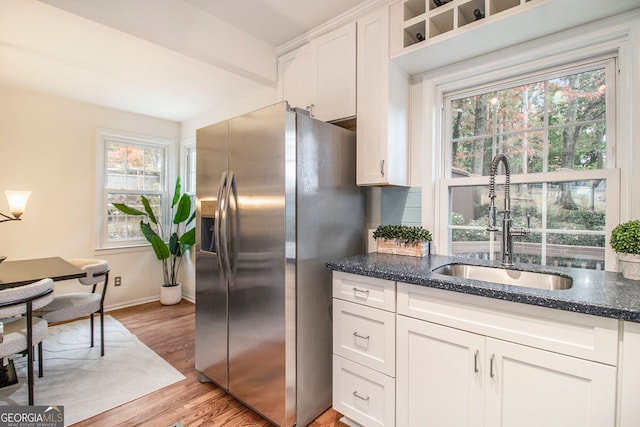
(170, 331)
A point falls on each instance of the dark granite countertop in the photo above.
(598, 293)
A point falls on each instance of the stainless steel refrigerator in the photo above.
(277, 199)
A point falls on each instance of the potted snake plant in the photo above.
(625, 240)
(168, 245)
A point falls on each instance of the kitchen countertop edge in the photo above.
(597, 293)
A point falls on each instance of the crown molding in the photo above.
(340, 20)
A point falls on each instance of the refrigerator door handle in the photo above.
(224, 237)
(232, 252)
(218, 226)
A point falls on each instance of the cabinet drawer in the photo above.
(378, 293)
(362, 394)
(574, 334)
(365, 335)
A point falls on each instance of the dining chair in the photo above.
(21, 329)
(75, 305)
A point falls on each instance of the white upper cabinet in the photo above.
(383, 106)
(321, 75)
(294, 77)
(334, 74)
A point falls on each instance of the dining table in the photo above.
(26, 271)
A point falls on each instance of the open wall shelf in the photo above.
(425, 20)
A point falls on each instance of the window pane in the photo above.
(135, 159)
(116, 159)
(472, 157)
(575, 250)
(577, 205)
(563, 117)
(567, 222)
(123, 227)
(134, 167)
(525, 152)
(152, 160)
(577, 97)
(469, 221)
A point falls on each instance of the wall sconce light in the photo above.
(17, 204)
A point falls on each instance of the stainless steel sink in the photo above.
(507, 276)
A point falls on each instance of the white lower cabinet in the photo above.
(413, 356)
(364, 347)
(448, 377)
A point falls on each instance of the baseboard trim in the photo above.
(141, 301)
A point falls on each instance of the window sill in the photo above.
(113, 250)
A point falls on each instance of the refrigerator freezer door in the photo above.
(261, 358)
(211, 286)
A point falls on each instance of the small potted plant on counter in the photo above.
(170, 246)
(625, 240)
(403, 240)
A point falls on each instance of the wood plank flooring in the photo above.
(170, 332)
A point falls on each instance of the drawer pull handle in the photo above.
(491, 373)
(355, 393)
(475, 361)
(357, 335)
(360, 293)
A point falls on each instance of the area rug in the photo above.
(76, 377)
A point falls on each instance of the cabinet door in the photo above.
(383, 105)
(334, 74)
(294, 77)
(440, 375)
(630, 378)
(373, 75)
(528, 387)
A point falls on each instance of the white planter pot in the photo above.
(170, 295)
(629, 265)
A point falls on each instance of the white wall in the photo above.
(260, 99)
(48, 146)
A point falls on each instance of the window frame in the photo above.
(105, 136)
(566, 50)
(187, 169)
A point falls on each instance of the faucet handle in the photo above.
(492, 219)
(524, 232)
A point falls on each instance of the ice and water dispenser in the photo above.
(208, 223)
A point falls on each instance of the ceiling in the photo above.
(275, 21)
(173, 59)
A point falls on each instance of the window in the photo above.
(555, 129)
(131, 166)
(188, 167)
